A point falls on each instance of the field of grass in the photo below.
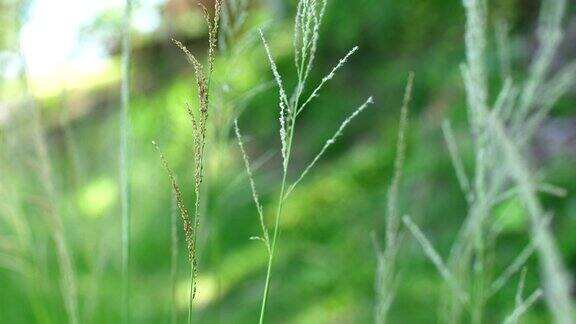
(306, 161)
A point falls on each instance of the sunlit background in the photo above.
(61, 59)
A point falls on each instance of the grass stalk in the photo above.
(265, 236)
(52, 215)
(199, 123)
(436, 259)
(523, 307)
(513, 268)
(174, 260)
(55, 225)
(386, 271)
(124, 162)
(306, 34)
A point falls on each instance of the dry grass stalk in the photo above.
(199, 121)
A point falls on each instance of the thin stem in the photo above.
(278, 214)
(457, 162)
(327, 78)
(124, 176)
(436, 259)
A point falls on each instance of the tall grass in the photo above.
(523, 121)
(20, 254)
(308, 20)
(229, 40)
(501, 124)
(521, 304)
(187, 225)
(199, 123)
(53, 217)
(501, 132)
(386, 281)
(124, 162)
(51, 212)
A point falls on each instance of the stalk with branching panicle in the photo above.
(199, 121)
(236, 37)
(52, 214)
(537, 98)
(501, 131)
(308, 20)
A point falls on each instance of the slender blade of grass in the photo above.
(124, 162)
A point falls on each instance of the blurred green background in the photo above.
(63, 57)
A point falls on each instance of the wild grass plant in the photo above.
(199, 123)
(501, 124)
(18, 246)
(124, 161)
(501, 132)
(387, 281)
(26, 155)
(308, 20)
(230, 39)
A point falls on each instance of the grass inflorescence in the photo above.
(199, 124)
(308, 20)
